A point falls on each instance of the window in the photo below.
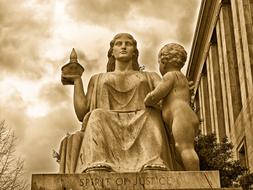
(242, 154)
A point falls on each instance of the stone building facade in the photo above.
(221, 66)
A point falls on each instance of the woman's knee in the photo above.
(97, 115)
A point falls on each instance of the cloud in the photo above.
(23, 29)
(185, 28)
(54, 93)
(91, 65)
(12, 113)
(38, 136)
(152, 23)
(100, 12)
(178, 14)
(45, 133)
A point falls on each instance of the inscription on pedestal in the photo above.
(86, 183)
(145, 180)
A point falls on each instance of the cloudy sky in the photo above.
(36, 38)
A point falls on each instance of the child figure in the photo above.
(174, 92)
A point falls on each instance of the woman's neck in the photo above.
(123, 66)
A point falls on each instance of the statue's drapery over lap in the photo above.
(119, 133)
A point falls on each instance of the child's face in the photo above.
(166, 60)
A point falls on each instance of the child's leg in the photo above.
(183, 130)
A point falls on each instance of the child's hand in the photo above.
(148, 101)
(191, 87)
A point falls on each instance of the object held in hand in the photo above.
(72, 68)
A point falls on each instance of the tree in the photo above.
(11, 167)
(218, 156)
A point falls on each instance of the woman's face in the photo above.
(123, 48)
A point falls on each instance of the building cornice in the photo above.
(196, 36)
(207, 19)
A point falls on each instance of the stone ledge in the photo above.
(130, 181)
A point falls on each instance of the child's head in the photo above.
(171, 54)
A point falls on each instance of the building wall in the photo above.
(221, 66)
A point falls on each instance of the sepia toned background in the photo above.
(36, 38)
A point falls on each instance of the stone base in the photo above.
(133, 181)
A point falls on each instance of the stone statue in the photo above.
(119, 133)
(173, 90)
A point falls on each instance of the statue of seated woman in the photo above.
(119, 133)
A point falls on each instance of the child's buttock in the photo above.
(175, 109)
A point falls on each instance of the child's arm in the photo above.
(162, 90)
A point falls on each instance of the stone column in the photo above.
(211, 94)
(242, 22)
(201, 111)
(245, 15)
(219, 125)
(205, 106)
(222, 79)
(230, 64)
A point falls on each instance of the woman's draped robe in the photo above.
(119, 131)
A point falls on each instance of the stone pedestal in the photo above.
(129, 181)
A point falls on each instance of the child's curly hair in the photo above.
(177, 53)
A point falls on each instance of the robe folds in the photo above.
(118, 132)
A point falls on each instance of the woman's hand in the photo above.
(70, 79)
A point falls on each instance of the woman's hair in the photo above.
(111, 59)
(178, 51)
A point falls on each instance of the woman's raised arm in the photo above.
(79, 99)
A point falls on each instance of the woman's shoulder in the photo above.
(153, 75)
(153, 78)
(97, 75)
